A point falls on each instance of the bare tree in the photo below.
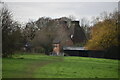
(10, 32)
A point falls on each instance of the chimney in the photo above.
(75, 22)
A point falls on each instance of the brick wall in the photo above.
(56, 48)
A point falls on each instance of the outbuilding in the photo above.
(56, 47)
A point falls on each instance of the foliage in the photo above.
(104, 34)
(40, 33)
(11, 34)
(85, 24)
(49, 30)
(29, 31)
(44, 37)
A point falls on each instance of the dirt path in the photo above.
(38, 64)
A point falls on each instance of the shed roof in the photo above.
(73, 48)
(56, 41)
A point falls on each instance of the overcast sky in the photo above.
(25, 11)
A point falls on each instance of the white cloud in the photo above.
(23, 11)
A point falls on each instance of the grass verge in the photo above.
(42, 66)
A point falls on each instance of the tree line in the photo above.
(105, 35)
(37, 36)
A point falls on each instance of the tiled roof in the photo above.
(56, 41)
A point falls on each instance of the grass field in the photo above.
(42, 66)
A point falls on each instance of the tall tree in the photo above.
(105, 35)
(10, 32)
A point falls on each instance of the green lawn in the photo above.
(42, 66)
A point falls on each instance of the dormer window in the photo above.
(71, 36)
